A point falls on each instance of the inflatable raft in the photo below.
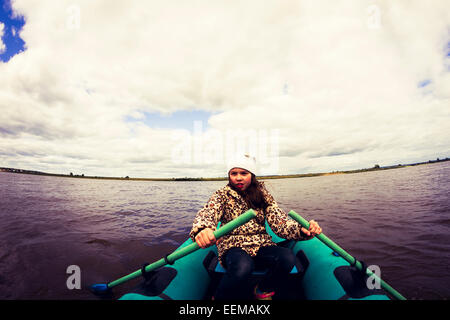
(319, 274)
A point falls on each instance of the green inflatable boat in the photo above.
(323, 271)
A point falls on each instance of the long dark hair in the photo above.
(253, 195)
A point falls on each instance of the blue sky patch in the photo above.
(177, 120)
(424, 83)
(14, 44)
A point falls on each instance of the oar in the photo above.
(347, 256)
(103, 288)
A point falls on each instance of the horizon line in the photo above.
(293, 175)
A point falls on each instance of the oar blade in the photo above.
(100, 289)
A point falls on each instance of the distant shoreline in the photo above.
(302, 175)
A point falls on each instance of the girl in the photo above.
(249, 244)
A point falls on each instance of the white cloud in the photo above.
(340, 82)
(2, 44)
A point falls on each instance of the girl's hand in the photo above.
(314, 229)
(205, 238)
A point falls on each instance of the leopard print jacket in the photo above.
(226, 204)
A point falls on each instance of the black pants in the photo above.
(239, 265)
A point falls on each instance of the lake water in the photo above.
(397, 219)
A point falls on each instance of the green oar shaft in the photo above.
(347, 256)
(223, 230)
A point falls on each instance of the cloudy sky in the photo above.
(174, 88)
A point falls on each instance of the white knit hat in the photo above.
(246, 162)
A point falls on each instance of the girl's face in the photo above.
(240, 178)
